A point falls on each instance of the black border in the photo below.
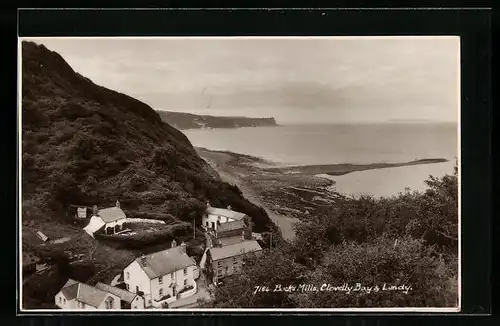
(472, 25)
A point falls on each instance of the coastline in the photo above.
(288, 194)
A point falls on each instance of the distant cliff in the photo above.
(181, 120)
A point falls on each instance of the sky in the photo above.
(295, 80)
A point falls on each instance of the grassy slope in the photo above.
(85, 144)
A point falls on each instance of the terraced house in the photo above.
(75, 295)
(162, 277)
(228, 260)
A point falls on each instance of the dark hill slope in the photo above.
(85, 144)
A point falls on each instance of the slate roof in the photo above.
(124, 295)
(225, 212)
(230, 226)
(164, 262)
(84, 293)
(111, 214)
(236, 249)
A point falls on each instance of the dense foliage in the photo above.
(84, 144)
(372, 245)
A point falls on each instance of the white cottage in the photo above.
(128, 299)
(214, 217)
(75, 295)
(162, 277)
(111, 218)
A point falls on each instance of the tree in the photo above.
(268, 270)
(382, 263)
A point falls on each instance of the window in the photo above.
(128, 276)
(160, 280)
(109, 303)
(127, 286)
(160, 293)
(60, 299)
(185, 282)
(64, 300)
(219, 264)
(185, 271)
(218, 222)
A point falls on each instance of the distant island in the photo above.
(182, 121)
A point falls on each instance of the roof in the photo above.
(226, 241)
(42, 236)
(230, 226)
(111, 214)
(165, 262)
(94, 225)
(70, 289)
(236, 249)
(226, 213)
(84, 293)
(121, 293)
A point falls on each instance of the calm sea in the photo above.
(346, 143)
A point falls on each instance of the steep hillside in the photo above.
(183, 120)
(85, 144)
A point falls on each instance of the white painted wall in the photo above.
(138, 303)
(112, 224)
(62, 302)
(211, 218)
(177, 278)
(134, 276)
(116, 302)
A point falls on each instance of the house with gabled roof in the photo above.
(227, 260)
(214, 217)
(228, 233)
(162, 277)
(128, 299)
(110, 219)
(75, 295)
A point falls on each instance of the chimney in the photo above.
(183, 247)
(229, 207)
(173, 244)
(117, 203)
(208, 204)
(247, 234)
(94, 210)
(143, 260)
(243, 234)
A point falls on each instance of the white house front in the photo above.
(111, 219)
(162, 277)
(214, 217)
